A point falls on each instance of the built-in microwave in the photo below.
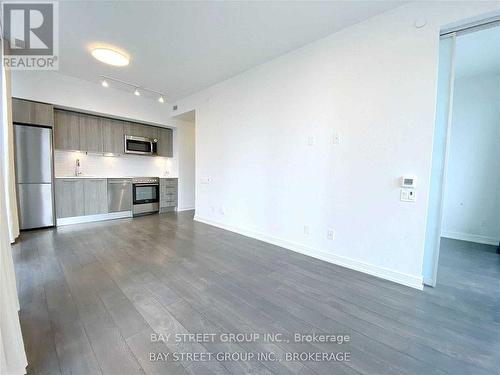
(140, 145)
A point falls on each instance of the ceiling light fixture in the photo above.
(110, 56)
(138, 90)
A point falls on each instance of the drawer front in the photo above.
(168, 182)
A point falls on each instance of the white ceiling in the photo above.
(182, 47)
(478, 53)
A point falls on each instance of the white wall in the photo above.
(55, 88)
(112, 166)
(374, 84)
(186, 156)
(59, 89)
(472, 197)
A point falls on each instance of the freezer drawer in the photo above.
(33, 154)
(35, 205)
(119, 195)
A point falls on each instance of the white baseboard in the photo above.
(383, 273)
(185, 209)
(92, 218)
(471, 238)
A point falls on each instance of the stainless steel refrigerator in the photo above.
(33, 147)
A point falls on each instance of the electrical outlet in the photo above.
(212, 209)
(330, 234)
(306, 230)
(336, 138)
(223, 210)
(206, 180)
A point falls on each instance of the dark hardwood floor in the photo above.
(91, 296)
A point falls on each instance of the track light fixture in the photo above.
(137, 90)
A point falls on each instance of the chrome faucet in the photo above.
(77, 168)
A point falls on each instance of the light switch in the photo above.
(408, 195)
(310, 141)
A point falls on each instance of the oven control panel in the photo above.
(146, 180)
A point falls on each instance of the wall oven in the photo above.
(140, 145)
(145, 195)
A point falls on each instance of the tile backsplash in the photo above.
(112, 166)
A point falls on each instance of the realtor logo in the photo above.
(30, 35)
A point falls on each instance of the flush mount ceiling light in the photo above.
(161, 99)
(137, 92)
(110, 56)
(104, 83)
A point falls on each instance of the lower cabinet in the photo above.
(96, 196)
(168, 194)
(70, 198)
(79, 197)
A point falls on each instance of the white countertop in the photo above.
(88, 176)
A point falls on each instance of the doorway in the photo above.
(464, 201)
(186, 145)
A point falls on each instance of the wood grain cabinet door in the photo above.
(91, 133)
(28, 112)
(132, 128)
(67, 130)
(140, 130)
(150, 131)
(165, 142)
(69, 197)
(96, 196)
(42, 114)
(112, 136)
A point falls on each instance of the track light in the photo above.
(137, 89)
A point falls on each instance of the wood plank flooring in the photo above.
(93, 294)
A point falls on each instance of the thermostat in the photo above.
(408, 182)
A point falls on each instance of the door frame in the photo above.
(435, 242)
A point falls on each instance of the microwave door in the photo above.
(134, 146)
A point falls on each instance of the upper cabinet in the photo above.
(140, 130)
(75, 131)
(165, 142)
(112, 136)
(28, 112)
(91, 139)
(67, 130)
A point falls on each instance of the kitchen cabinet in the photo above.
(67, 130)
(95, 196)
(90, 133)
(140, 130)
(28, 112)
(70, 197)
(91, 139)
(168, 194)
(81, 196)
(112, 136)
(165, 142)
